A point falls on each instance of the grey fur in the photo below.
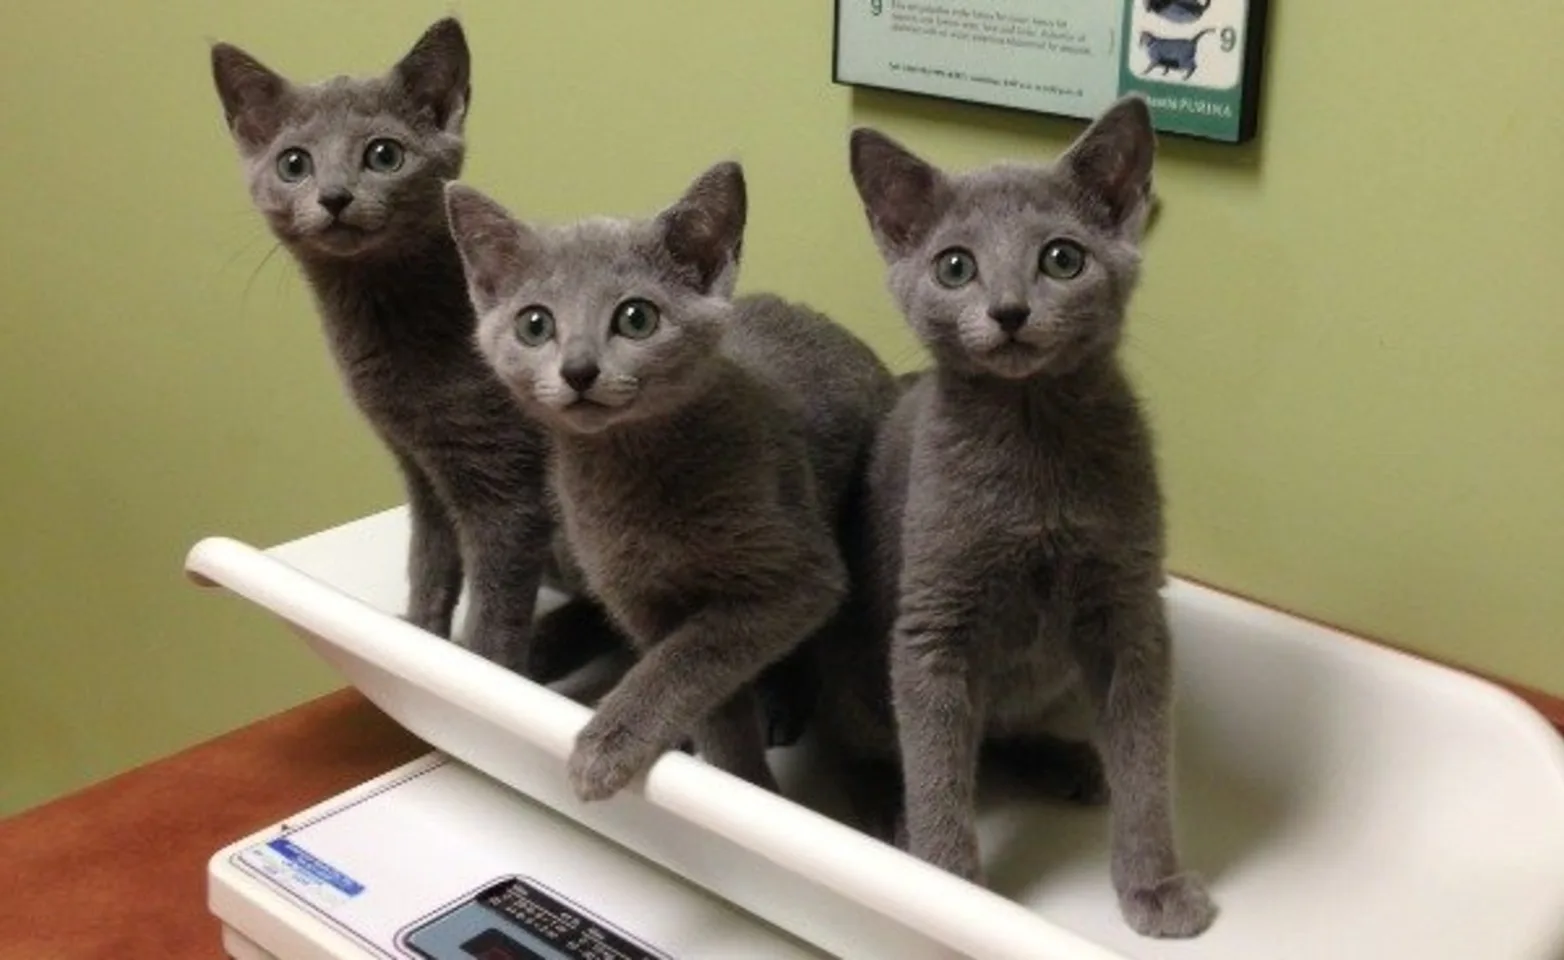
(389, 287)
(701, 476)
(1014, 523)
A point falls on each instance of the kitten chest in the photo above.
(1026, 683)
(651, 548)
(629, 533)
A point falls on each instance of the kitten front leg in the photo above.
(684, 678)
(506, 554)
(952, 593)
(935, 693)
(731, 739)
(434, 559)
(1124, 649)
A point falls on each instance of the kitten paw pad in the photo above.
(1176, 907)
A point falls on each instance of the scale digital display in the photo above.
(494, 945)
(518, 919)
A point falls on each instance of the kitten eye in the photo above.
(383, 155)
(636, 319)
(294, 164)
(955, 268)
(1062, 259)
(534, 326)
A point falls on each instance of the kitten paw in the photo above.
(895, 830)
(1175, 907)
(604, 762)
(971, 872)
(496, 644)
(430, 622)
(960, 858)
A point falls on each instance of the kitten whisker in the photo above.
(244, 248)
(244, 299)
(904, 359)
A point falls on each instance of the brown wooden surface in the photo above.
(118, 871)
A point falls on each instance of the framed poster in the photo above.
(1197, 62)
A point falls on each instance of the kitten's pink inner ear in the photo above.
(1112, 160)
(436, 73)
(704, 231)
(901, 192)
(491, 244)
(251, 94)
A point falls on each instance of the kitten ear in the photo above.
(252, 95)
(704, 231)
(493, 246)
(903, 195)
(436, 75)
(1111, 163)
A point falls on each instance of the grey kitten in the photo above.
(1013, 512)
(349, 176)
(702, 450)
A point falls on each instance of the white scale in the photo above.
(435, 861)
(1345, 802)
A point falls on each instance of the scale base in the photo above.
(435, 861)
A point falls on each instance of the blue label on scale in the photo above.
(304, 862)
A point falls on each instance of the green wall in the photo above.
(1351, 333)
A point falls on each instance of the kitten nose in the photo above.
(1009, 318)
(335, 201)
(580, 376)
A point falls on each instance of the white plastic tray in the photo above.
(1344, 800)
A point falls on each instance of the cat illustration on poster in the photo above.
(1172, 53)
(1178, 11)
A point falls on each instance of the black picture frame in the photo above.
(1247, 92)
